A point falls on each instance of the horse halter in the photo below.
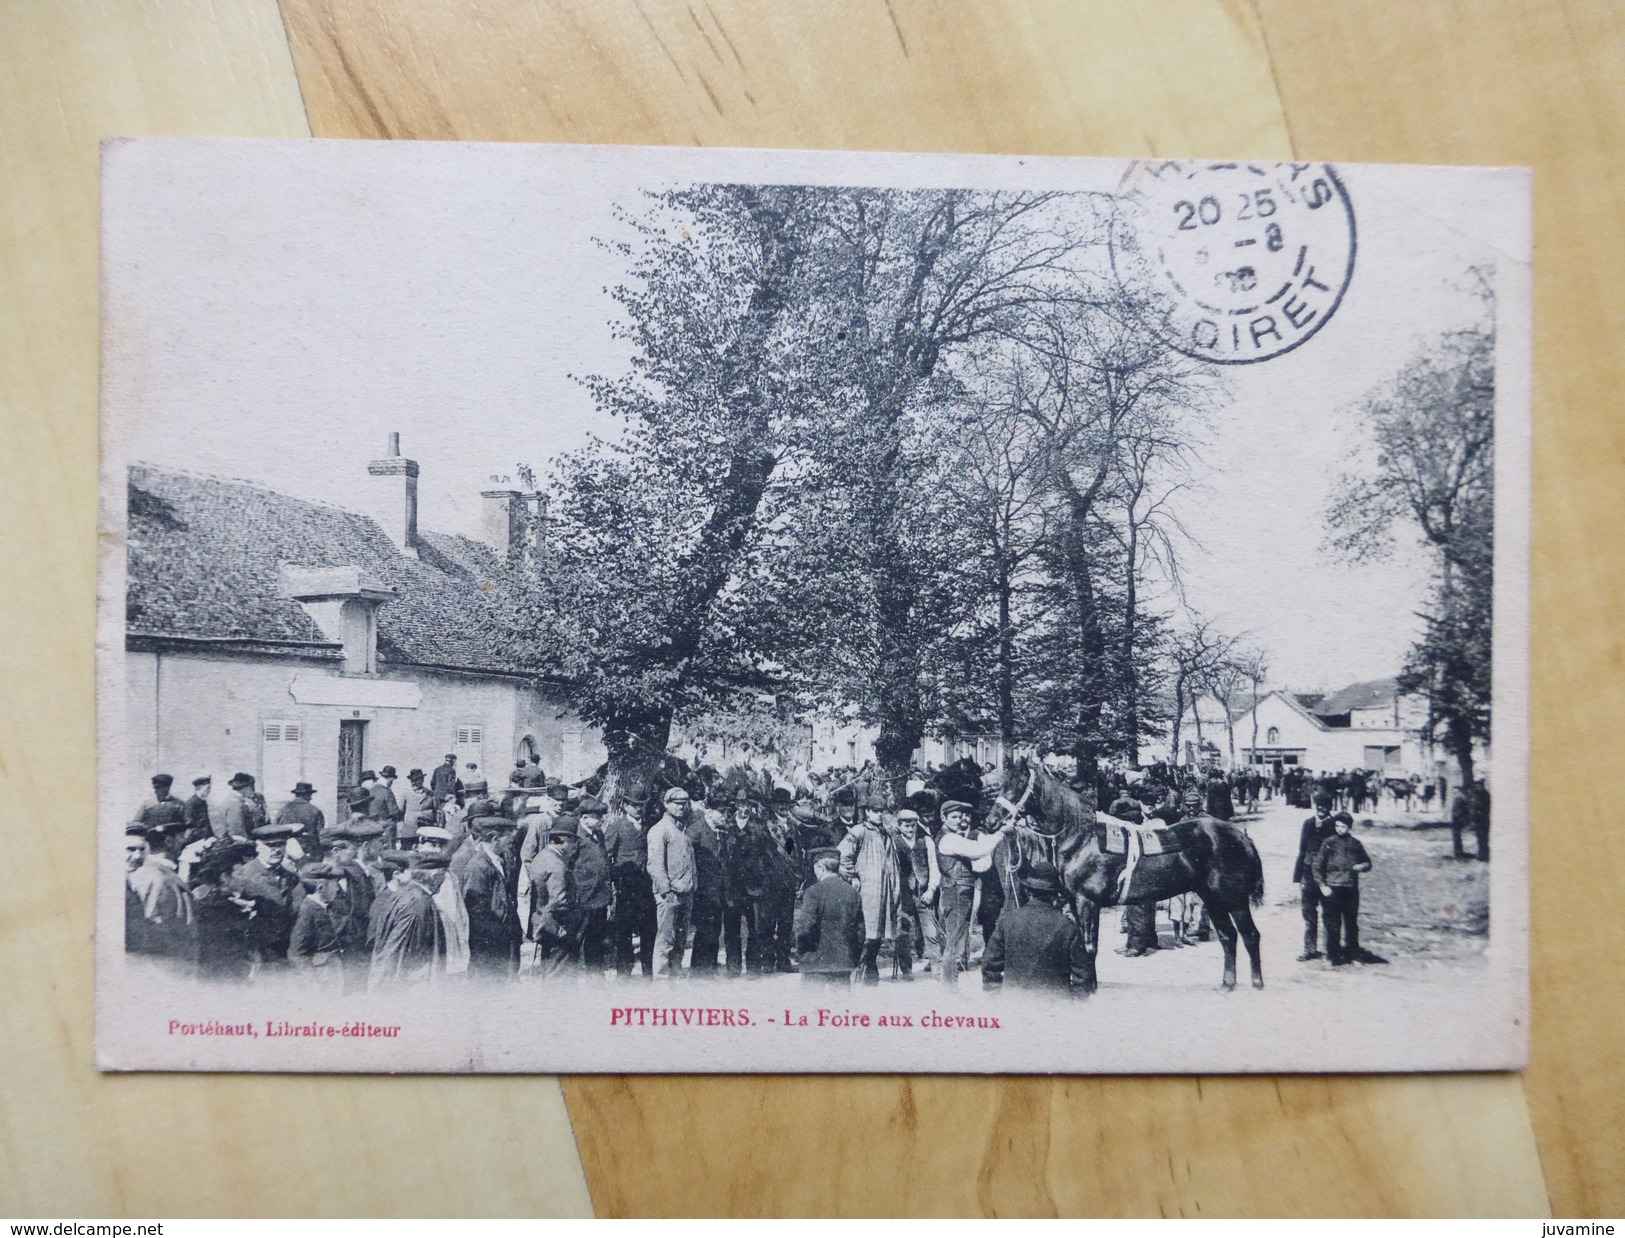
(1020, 806)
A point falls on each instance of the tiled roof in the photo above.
(204, 555)
(1371, 694)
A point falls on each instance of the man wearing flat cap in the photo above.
(200, 813)
(671, 874)
(490, 884)
(962, 861)
(869, 861)
(589, 869)
(314, 944)
(408, 942)
(270, 882)
(555, 915)
(627, 851)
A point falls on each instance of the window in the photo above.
(1272, 736)
(280, 759)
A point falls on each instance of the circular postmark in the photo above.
(1249, 260)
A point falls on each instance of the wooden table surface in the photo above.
(1534, 83)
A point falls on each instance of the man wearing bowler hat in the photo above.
(242, 815)
(309, 821)
(163, 811)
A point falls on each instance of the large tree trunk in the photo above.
(1006, 668)
(637, 750)
(1131, 674)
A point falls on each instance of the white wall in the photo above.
(191, 715)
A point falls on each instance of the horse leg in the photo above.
(1088, 915)
(1243, 917)
(1226, 930)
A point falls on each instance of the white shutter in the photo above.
(281, 761)
(470, 746)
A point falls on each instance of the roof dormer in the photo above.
(343, 602)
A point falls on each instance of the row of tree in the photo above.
(906, 451)
(912, 453)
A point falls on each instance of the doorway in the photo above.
(352, 755)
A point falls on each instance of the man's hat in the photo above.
(389, 771)
(414, 775)
(137, 829)
(240, 779)
(591, 804)
(908, 814)
(303, 788)
(482, 824)
(434, 832)
(274, 833)
(1042, 877)
(807, 815)
(949, 806)
(558, 791)
(312, 875)
(844, 796)
(478, 785)
(565, 823)
(395, 861)
(359, 799)
(451, 756)
(361, 831)
(1345, 818)
(520, 762)
(874, 803)
(163, 779)
(1323, 799)
(367, 774)
(781, 797)
(826, 853)
(674, 793)
(204, 781)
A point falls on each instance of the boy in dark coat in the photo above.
(1036, 946)
(1337, 868)
(829, 926)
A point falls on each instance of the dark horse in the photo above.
(1212, 859)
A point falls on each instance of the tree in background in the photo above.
(655, 541)
(1431, 465)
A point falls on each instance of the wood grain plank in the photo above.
(73, 1142)
(1042, 78)
(1535, 84)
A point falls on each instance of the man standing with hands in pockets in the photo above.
(671, 873)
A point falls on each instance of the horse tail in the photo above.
(1258, 876)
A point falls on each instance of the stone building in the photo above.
(300, 640)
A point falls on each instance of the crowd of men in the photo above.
(438, 878)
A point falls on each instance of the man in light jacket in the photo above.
(672, 876)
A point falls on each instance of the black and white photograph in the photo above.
(639, 610)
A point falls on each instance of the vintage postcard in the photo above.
(572, 608)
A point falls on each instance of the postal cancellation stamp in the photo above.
(1254, 258)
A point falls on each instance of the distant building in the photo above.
(297, 640)
(1369, 725)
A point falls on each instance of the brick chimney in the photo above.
(513, 522)
(394, 497)
(504, 523)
